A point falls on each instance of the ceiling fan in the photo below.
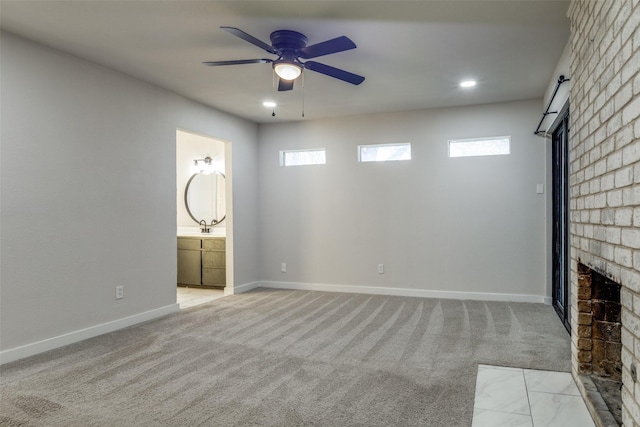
(290, 47)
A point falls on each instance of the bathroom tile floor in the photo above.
(189, 297)
(514, 397)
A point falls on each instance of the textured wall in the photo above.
(88, 178)
(605, 164)
(472, 225)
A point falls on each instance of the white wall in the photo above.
(469, 225)
(88, 175)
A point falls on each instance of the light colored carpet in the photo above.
(286, 358)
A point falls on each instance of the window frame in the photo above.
(483, 139)
(391, 144)
(283, 154)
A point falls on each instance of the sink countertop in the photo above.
(195, 232)
(203, 235)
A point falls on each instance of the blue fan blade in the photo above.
(238, 62)
(249, 38)
(338, 44)
(334, 72)
(284, 85)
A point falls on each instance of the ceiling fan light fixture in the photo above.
(287, 70)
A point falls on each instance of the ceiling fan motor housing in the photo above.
(287, 42)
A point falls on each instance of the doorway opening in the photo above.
(560, 215)
(202, 196)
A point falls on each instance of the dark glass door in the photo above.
(561, 254)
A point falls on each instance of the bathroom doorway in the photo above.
(203, 191)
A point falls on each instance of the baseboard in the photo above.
(245, 287)
(32, 349)
(405, 292)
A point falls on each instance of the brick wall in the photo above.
(605, 166)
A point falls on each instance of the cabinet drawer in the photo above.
(213, 244)
(193, 244)
(214, 259)
(214, 276)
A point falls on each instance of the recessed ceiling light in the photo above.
(269, 104)
(468, 83)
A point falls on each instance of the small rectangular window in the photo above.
(494, 146)
(384, 152)
(316, 156)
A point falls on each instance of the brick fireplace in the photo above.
(604, 153)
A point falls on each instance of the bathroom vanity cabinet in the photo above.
(202, 261)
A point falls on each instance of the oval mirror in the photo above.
(205, 197)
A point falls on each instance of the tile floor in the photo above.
(514, 397)
(188, 297)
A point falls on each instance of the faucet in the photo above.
(204, 228)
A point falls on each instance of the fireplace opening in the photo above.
(599, 330)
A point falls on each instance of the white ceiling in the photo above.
(412, 53)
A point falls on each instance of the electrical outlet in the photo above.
(283, 267)
(119, 292)
(380, 268)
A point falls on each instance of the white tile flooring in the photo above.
(188, 297)
(513, 397)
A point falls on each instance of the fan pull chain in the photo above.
(302, 94)
(273, 86)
